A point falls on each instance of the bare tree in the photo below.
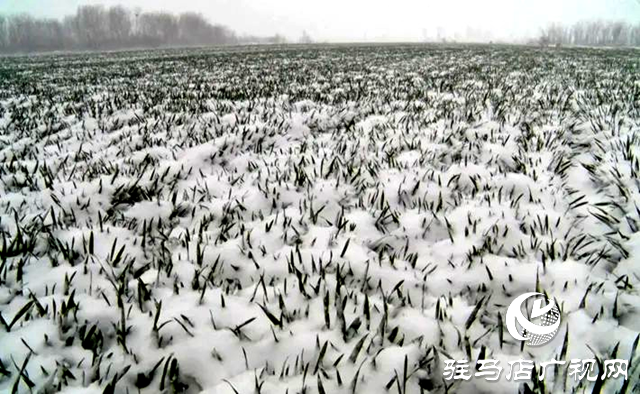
(120, 24)
(194, 29)
(20, 33)
(306, 38)
(635, 35)
(47, 34)
(91, 26)
(94, 27)
(168, 27)
(592, 33)
(97, 27)
(4, 34)
(579, 33)
(69, 33)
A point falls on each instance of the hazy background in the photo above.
(369, 20)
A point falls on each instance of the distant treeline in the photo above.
(97, 27)
(593, 33)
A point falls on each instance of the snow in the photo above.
(207, 214)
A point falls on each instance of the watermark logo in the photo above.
(541, 325)
(537, 328)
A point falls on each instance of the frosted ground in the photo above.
(325, 220)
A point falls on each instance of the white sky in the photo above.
(368, 20)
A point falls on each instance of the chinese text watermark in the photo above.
(517, 370)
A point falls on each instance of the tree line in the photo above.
(592, 33)
(95, 27)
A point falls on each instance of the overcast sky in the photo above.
(368, 20)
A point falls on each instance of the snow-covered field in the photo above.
(314, 220)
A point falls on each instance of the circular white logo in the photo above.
(543, 325)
